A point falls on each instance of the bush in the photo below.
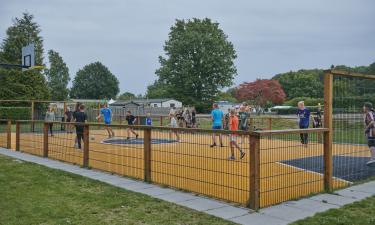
(307, 100)
(15, 113)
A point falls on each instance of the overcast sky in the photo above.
(270, 37)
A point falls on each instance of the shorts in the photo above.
(217, 127)
(371, 142)
(107, 122)
(68, 120)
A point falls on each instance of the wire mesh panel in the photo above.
(289, 168)
(3, 133)
(31, 137)
(351, 151)
(184, 159)
(62, 145)
(121, 154)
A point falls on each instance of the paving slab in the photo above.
(332, 199)
(155, 191)
(356, 195)
(177, 196)
(228, 212)
(258, 219)
(202, 204)
(310, 205)
(286, 213)
(367, 187)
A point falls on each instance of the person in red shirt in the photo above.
(233, 126)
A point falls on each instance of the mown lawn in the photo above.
(358, 213)
(33, 194)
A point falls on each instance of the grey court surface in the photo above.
(275, 215)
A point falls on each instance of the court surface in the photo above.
(288, 170)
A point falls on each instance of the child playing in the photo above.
(233, 126)
(370, 131)
(131, 121)
(80, 117)
(148, 119)
(304, 121)
(107, 114)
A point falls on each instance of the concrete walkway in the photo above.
(276, 215)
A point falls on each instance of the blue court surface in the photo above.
(348, 168)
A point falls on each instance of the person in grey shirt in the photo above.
(50, 117)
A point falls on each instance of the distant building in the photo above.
(225, 105)
(152, 103)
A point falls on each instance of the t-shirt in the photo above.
(130, 119)
(107, 113)
(304, 117)
(148, 121)
(233, 123)
(69, 115)
(226, 126)
(80, 117)
(217, 117)
(369, 117)
(243, 116)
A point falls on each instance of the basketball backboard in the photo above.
(28, 56)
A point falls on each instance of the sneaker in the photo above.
(371, 162)
(127, 138)
(75, 145)
(242, 154)
(136, 136)
(231, 158)
(213, 145)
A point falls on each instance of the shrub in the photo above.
(15, 113)
(307, 100)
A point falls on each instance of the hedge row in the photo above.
(293, 110)
(15, 113)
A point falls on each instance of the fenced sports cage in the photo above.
(276, 167)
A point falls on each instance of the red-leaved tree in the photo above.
(261, 92)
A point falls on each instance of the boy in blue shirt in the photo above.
(107, 114)
(217, 123)
(304, 121)
(148, 120)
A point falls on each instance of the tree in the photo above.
(303, 83)
(94, 81)
(23, 32)
(57, 76)
(198, 62)
(261, 92)
(226, 96)
(126, 96)
(15, 84)
(157, 90)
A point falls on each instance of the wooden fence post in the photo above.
(254, 172)
(251, 124)
(32, 116)
(45, 140)
(86, 143)
(328, 136)
(270, 123)
(161, 121)
(138, 120)
(147, 154)
(9, 135)
(18, 132)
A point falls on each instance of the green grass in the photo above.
(358, 213)
(33, 194)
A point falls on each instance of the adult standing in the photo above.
(369, 130)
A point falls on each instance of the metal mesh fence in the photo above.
(350, 149)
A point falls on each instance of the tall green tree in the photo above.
(157, 90)
(57, 76)
(95, 81)
(15, 84)
(23, 32)
(302, 83)
(198, 62)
